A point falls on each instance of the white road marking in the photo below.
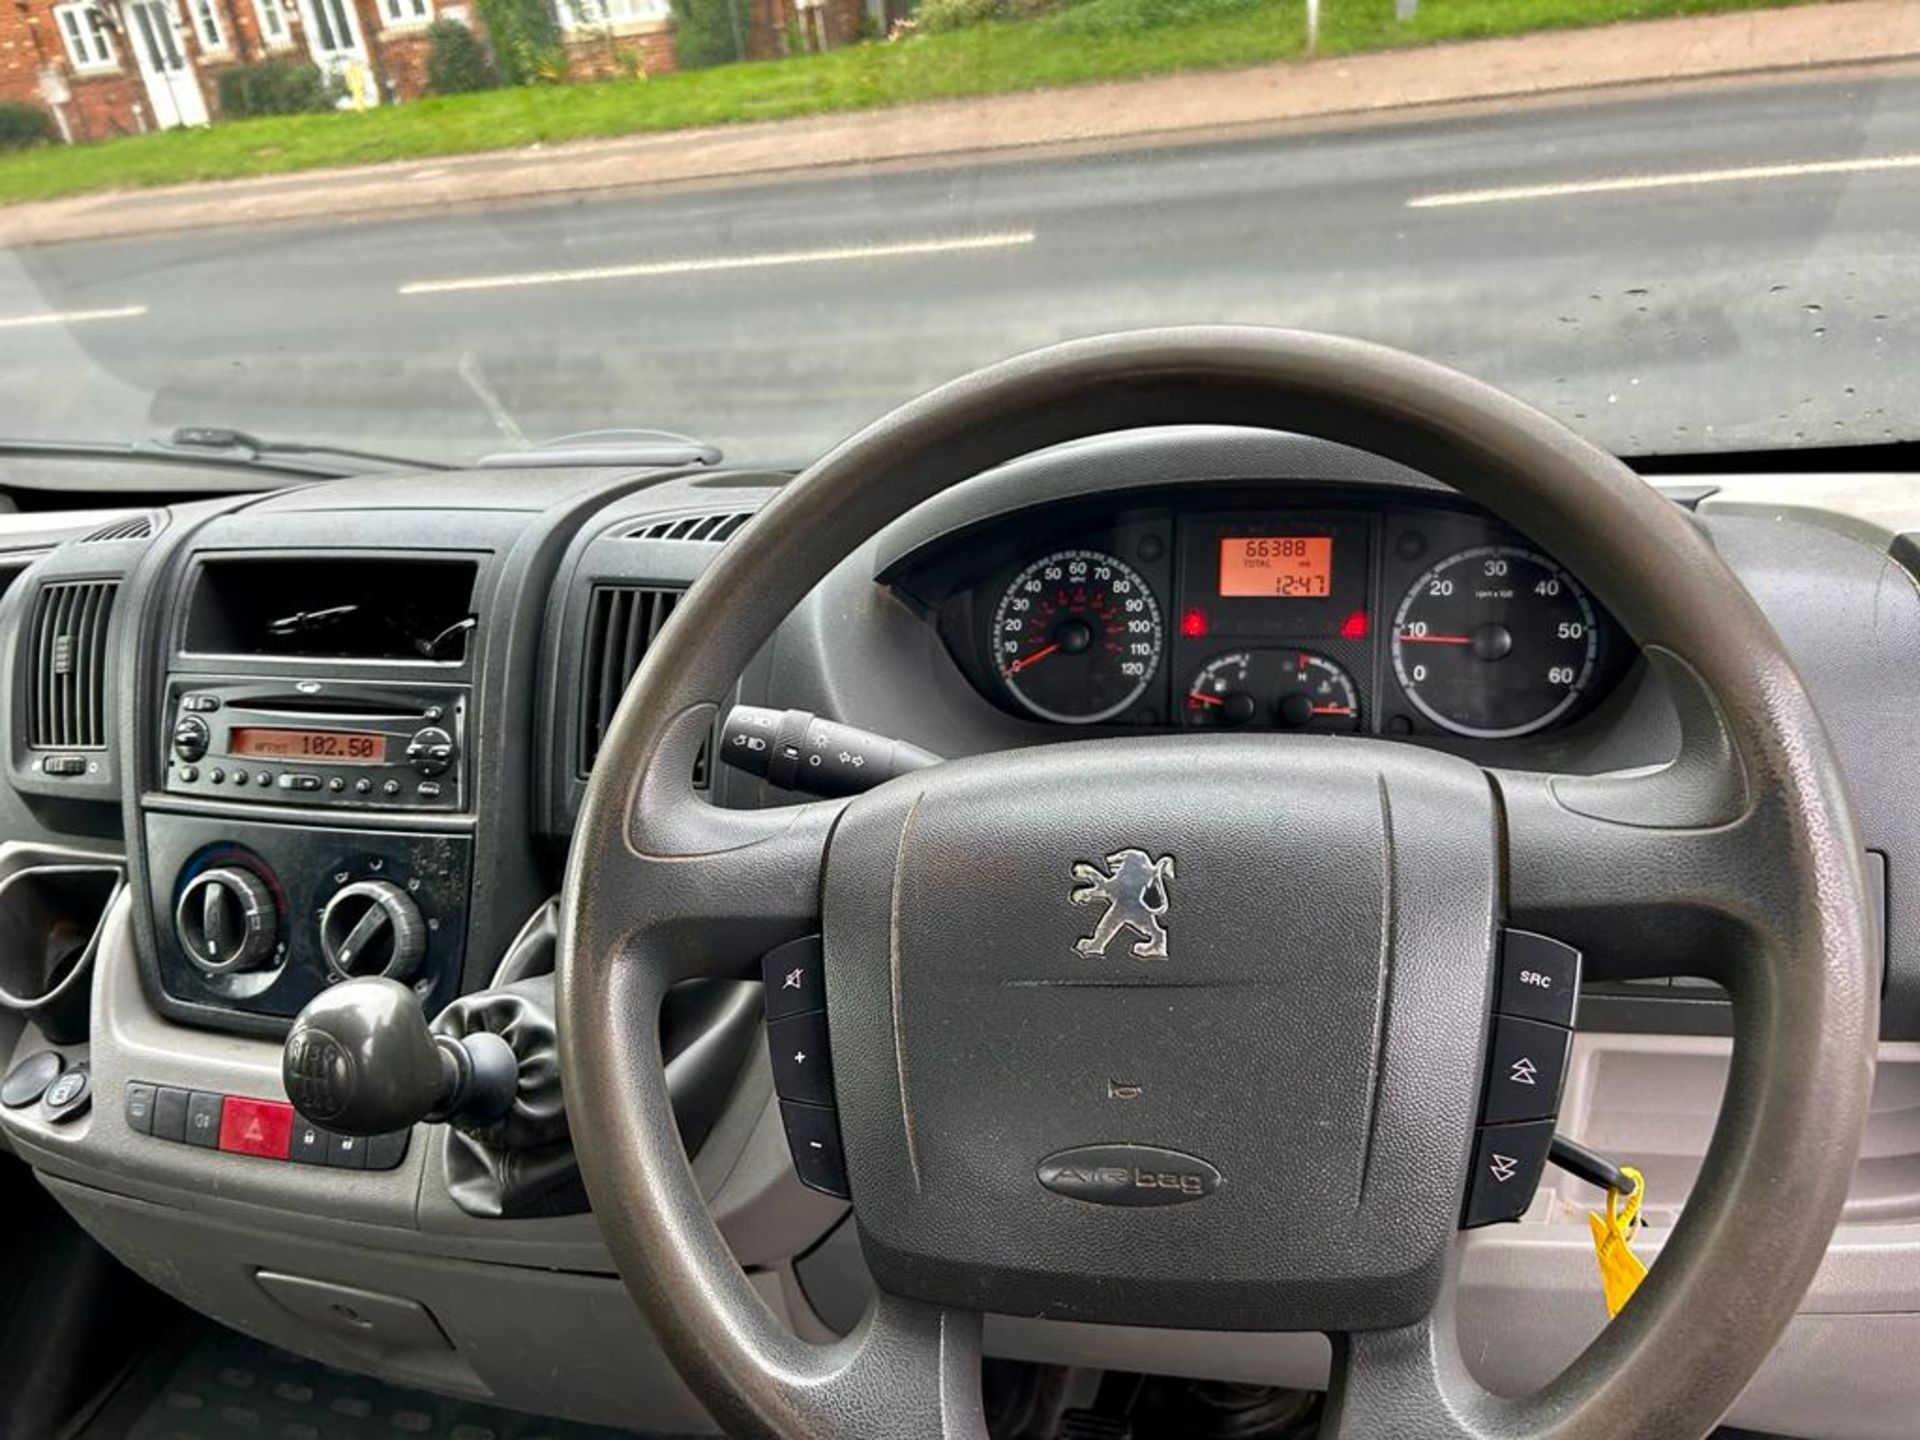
(476, 379)
(71, 317)
(654, 269)
(1620, 183)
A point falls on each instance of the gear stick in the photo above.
(361, 1060)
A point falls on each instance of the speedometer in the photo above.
(1495, 641)
(1077, 636)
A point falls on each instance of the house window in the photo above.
(83, 30)
(273, 23)
(206, 26)
(402, 13)
(602, 14)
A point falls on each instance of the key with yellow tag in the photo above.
(1621, 1271)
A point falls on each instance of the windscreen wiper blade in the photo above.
(663, 448)
(238, 444)
(302, 462)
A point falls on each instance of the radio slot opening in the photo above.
(309, 709)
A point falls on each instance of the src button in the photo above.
(1539, 977)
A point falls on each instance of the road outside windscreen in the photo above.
(1667, 272)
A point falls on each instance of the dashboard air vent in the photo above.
(66, 684)
(621, 623)
(715, 529)
(133, 527)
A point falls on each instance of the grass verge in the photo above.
(1092, 40)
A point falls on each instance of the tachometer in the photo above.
(1495, 641)
(1077, 636)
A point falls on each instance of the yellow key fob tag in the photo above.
(1621, 1271)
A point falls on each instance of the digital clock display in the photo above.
(336, 747)
(1284, 567)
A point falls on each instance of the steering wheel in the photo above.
(1316, 1032)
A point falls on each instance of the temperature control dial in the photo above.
(372, 927)
(226, 920)
(1284, 689)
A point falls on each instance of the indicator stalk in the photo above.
(797, 750)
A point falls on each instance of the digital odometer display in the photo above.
(336, 747)
(1284, 567)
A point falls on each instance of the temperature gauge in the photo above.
(1287, 689)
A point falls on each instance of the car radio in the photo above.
(352, 744)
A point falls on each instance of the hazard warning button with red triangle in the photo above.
(256, 1127)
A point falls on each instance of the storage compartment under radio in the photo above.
(351, 606)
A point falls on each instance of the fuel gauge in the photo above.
(1284, 689)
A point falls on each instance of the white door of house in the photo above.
(333, 39)
(173, 90)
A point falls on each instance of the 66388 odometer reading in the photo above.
(1494, 642)
(1077, 636)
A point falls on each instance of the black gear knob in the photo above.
(361, 1060)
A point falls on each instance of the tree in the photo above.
(709, 32)
(526, 40)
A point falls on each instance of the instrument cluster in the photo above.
(1361, 615)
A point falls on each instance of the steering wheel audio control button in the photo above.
(796, 984)
(1539, 977)
(1507, 1161)
(813, 1135)
(1523, 1078)
(799, 1050)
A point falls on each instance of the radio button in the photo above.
(189, 773)
(430, 751)
(428, 789)
(191, 737)
(299, 782)
(390, 787)
(336, 784)
(262, 778)
(219, 776)
(200, 703)
(363, 786)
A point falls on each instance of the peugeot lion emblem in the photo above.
(1133, 887)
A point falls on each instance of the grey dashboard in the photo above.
(1297, 583)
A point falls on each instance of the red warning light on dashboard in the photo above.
(1354, 627)
(1193, 624)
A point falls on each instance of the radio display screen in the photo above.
(336, 747)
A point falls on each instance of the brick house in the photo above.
(120, 67)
